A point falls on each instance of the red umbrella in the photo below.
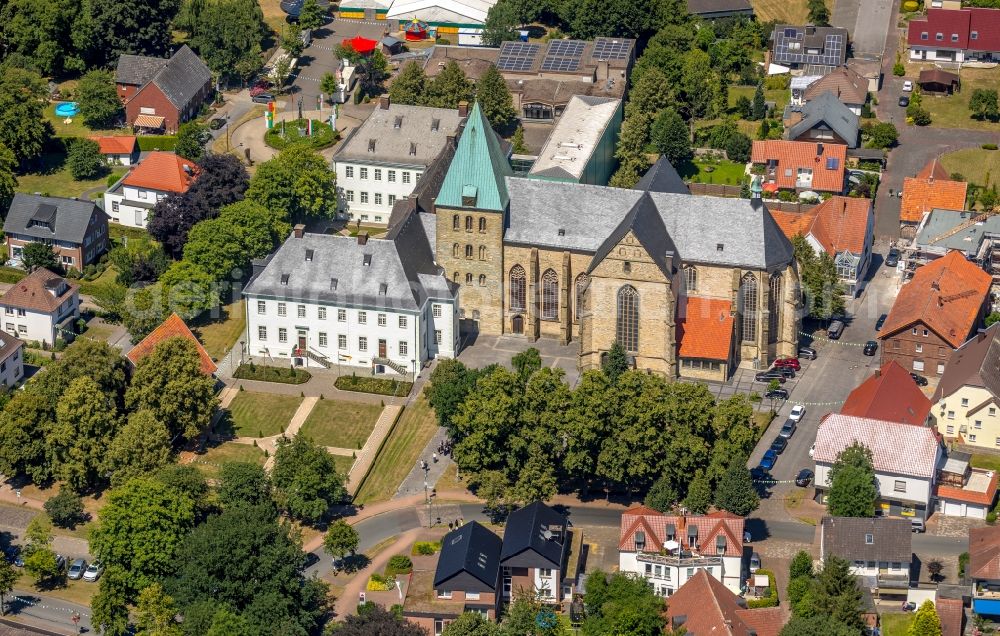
(363, 46)
(770, 187)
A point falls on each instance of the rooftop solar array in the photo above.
(790, 48)
(612, 49)
(563, 55)
(517, 56)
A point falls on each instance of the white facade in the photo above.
(667, 574)
(940, 55)
(130, 205)
(38, 326)
(12, 365)
(894, 487)
(369, 190)
(954, 508)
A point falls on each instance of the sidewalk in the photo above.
(414, 482)
(347, 602)
(366, 456)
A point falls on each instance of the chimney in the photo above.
(298, 230)
(450, 139)
(383, 102)
(463, 109)
(878, 373)
(363, 238)
(187, 169)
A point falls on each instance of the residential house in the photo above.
(931, 188)
(172, 327)
(844, 228)
(934, 313)
(935, 80)
(845, 84)
(822, 119)
(983, 570)
(76, 230)
(800, 165)
(871, 70)
(955, 35)
(905, 458)
(714, 9)
(41, 307)
(705, 607)
(467, 579)
(380, 305)
(122, 150)
(540, 554)
(974, 234)
(161, 174)
(951, 611)
(890, 394)
(161, 94)
(967, 398)
(669, 550)
(963, 491)
(815, 50)
(876, 547)
(11, 360)
(382, 160)
(581, 146)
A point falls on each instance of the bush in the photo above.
(378, 386)
(963, 562)
(898, 69)
(266, 373)
(398, 564)
(778, 82)
(85, 160)
(323, 135)
(157, 142)
(771, 600)
(989, 146)
(65, 509)
(379, 583)
(910, 6)
(991, 517)
(425, 548)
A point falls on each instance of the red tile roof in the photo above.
(792, 155)
(890, 395)
(162, 171)
(116, 145)
(896, 448)
(793, 224)
(704, 606)
(951, 611)
(931, 188)
(946, 295)
(705, 329)
(172, 327)
(841, 224)
(41, 291)
(984, 553)
(985, 497)
(765, 621)
(946, 22)
(986, 23)
(654, 524)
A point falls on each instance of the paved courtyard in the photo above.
(480, 350)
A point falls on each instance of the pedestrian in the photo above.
(435, 458)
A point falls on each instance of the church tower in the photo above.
(471, 210)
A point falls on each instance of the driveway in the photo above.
(868, 21)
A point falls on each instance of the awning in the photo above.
(362, 46)
(770, 187)
(149, 121)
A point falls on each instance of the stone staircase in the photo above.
(395, 366)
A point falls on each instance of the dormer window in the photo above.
(640, 540)
(309, 255)
(720, 545)
(469, 195)
(382, 288)
(333, 284)
(413, 149)
(284, 279)
(366, 260)
(371, 145)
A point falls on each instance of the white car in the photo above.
(797, 412)
(812, 450)
(907, 86)
(93, 571)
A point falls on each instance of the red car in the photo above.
(791, 363)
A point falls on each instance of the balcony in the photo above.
(685, 559)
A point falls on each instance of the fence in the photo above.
(721, 190)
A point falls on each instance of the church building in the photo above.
(691, 286)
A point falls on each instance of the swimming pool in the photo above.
(67, 109)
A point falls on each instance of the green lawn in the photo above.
(780, 97)
(262, 414)
(975, 164)
(723, 172)
(11, 274)
(211, 461)
(986, 461)
(107, 276)
(953, 111)
(118, 232)
(344, 463)
(341, 424)
(896, 624)
(414, 429)
(76, 127)
(220, 334)
(55, 179)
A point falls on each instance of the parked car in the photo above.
(870, 348)
(812, 450)
(804, 478)
(918, 525)
(797, 412)
(777, 394)
(258, 89)
(835, 330)
(759, 474)
(767, 462)
(904, 101)
(779, 444)
(787, 429)
(880, 322)
(907, 86)
(791, 363)
(807, 352)
(892, 258)
(787, 372)
(93, 571)
(767, 376)
(908, 606)
(262, 98)
(919, 379)
(217, 123)
(60, 562)
(76, 569)
(754, 562)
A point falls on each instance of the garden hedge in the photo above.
(157, 142)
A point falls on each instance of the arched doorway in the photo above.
(517, 324)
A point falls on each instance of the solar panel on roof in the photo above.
(517, 56)
(563, 64)
(789, 33)
(611, 49)
(563, 55)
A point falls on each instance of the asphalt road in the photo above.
(47, 612)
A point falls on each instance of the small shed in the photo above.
(934, 80)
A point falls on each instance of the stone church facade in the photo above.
(690, 286)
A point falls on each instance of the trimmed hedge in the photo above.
(157, 142)
(378, 386)
(425, 548)
(264, 373)
(771, 600)
(398, 564)
(989, 146)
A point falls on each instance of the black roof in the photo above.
(847, 537)
(52, 218)
(471, 549)
(646, 224)
(180, 78)
(530, 529)
(662, 177)
(698, 7)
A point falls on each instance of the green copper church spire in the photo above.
(475, 179)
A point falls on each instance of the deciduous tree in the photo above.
(297, 183)
(86, 422)
(188, 289)
(39, 558)
(340, 540)
(984, 104)
(36, 254)
(410, 85)
(140, 448)
(670, 137)
(100, 106)
(85, 160)
(66, 508)
(311, 16)
(662, 496)
(699, 495)
(471, 624)
(372, 71)
(125, 27)
(8, 578)
(495, 99)
(228, 36)
(306, 478)
(141, 259)
(155, 613)
(23, 127)
(377, 620)
(735, 492)
(244, 484)
(190, 140)
(8, 181)
(501, 24)
(622, 603)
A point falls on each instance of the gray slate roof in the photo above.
(662, 177)
(180, 78)
(71, 217)
(524, 533)
(827, 109)
(588, 214)
(699, 7)
(845, 537)
(392, 144)
(473, 549)
(645, 222)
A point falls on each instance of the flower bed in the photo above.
(378, 386)
(323, 135)
(264, 373)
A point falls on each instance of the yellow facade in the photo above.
(971, 415)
